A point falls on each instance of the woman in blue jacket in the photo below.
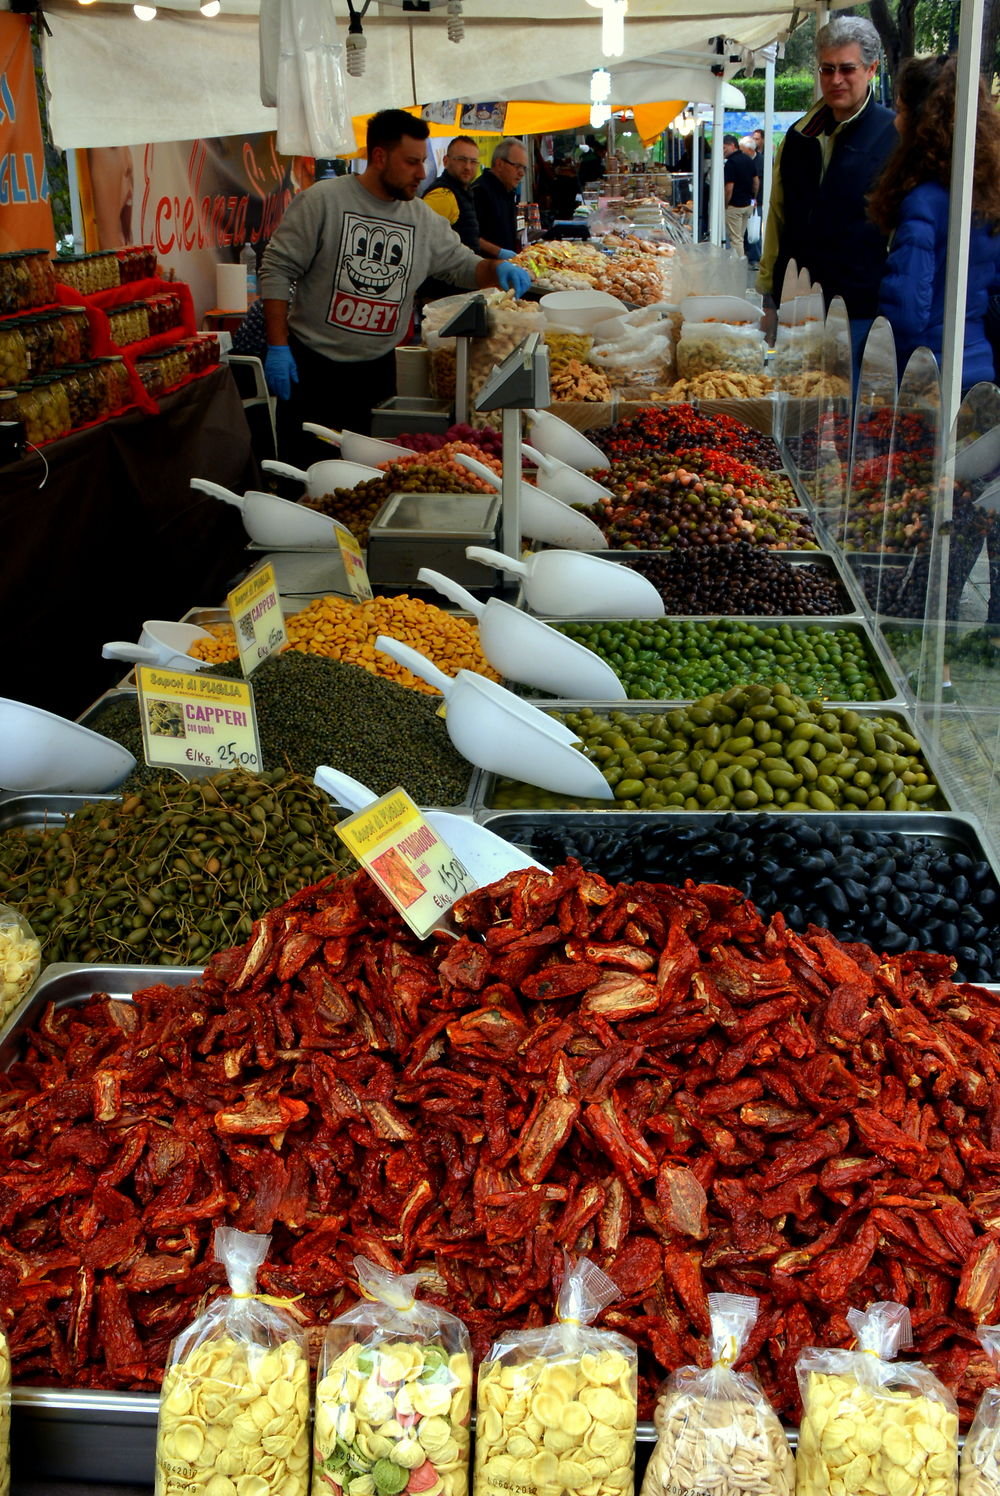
(910, 203)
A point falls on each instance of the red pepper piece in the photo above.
(682, 1201)
(684, 1272)
(261, 1116)
(561, 979)
(979, 1286)
(544, 1136)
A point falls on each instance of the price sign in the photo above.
(259, 624)
(415, 869)
(198, 723)
(354, 565)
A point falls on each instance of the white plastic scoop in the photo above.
(276, 523)
(557, 438)
(43, 753)
(569, 584)
(161, 643)
(497, 731)
(355, 447)
(486, 855)
(527, 650)
(544, 517)
(567, 483)
(323, 477)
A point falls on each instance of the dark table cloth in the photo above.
(112, 534)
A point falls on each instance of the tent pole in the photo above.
(697, 178)
(960, 209)
(716, 221)
(822, 16)
(765, 186)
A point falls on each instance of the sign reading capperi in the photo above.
(408, 860)
(259, 624)
(354, 565)
(196, 722)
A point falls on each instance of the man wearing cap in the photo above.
(741, 188)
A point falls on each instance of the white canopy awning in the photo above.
(115, 80)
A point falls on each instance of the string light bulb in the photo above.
(456, 21)
(612, 25)
(144, 12)
(355, 51)
(600, 86)
(599, 115)
(210, 8)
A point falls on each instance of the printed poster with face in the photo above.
(374, 261)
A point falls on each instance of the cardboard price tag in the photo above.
(196, 722)
(354, 565)
(415, 869)
(258, 622)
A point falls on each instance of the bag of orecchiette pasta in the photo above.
(4, 1416)
(393, 1395)
(234, 1407)
(557, 1405)
(980, 1469)
(871, 1423)
(715, 1428)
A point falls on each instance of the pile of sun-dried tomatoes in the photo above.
(655, 1076)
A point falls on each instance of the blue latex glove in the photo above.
(507, 254)
(512, 278)
(280, 372)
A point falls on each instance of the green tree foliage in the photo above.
(791, 91)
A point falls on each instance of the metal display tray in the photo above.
(35, 812)
(890, 693)
(466, 805)
(487, 780)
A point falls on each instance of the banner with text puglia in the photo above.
(25, 215)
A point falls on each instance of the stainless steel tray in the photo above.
(826, 558)
(487, 781)
(35, 812)
(891, 695)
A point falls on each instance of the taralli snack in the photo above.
(4, 1416)
(234, 1406)
(393, 1395)
(979, 1474)
(719, 385)
(872, 1426)
(557, 1405)
(715, 1429)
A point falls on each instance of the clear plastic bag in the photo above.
(4, 1416)
(313, 114)
(715, 1428)
(871, 1425)
(20, 958)
(510, 322)
(393, 1395)
(719, 345)
(234, 1406)
(557, 1405)
(641, 359)
(979, 1474)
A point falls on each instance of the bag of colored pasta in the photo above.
(872, 1425)
(234, 1406)
(557, 1405)
(715, 1428)
(979, 1474)
(393, 1395)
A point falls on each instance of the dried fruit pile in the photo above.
(696, 1098)
(675, 428)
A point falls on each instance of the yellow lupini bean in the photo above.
(347, 631)
(233, 1415)
(565, 1425)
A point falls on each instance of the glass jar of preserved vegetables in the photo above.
(13, 355)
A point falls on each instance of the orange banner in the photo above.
(25, 215)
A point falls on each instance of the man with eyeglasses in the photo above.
(826, 167)
(495, 194)
(450, 194)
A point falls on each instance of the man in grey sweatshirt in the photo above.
(356, 248)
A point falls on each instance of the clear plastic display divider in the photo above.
(833, 428)
(861, 536)
(787, 320)
(957, 685)
(910, 524)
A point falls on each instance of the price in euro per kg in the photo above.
(455, 877)
(231, 759)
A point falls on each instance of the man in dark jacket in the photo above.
(826, 167)
(495, 194)
(450, 194)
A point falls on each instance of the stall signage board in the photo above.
(198, 723)
(415, 869)
(354, 565)
(258, 622)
